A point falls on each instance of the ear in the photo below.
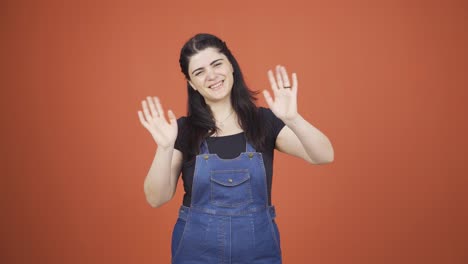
(191, 84)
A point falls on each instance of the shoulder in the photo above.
(262, 110)
(265, 113)
(271, 122)
(268, 115)
(181, 121)
(181, 139)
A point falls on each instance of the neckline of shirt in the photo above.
(237, 134)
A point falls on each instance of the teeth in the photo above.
(216, 85)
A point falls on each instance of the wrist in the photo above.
(293, 121)
(166, 148)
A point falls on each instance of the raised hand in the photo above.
(163, 132)
(284, 105)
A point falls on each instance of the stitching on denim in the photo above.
(234, 170)
(251, 217)
(244, 178)
(242, 212)
(230, 238)
(179, 245)
(228, 204)
(273, 233)
(221, 240)
(241, 155)
(261, 165)
(195, 179)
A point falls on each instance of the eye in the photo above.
(217, 64)
(198, 73)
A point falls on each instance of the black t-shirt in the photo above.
(229, 147)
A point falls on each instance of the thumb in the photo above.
(268, 98)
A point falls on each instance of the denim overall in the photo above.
(229, 220)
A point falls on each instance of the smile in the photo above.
(216, 85)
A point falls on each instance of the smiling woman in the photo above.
(224, 149)
(211, 74)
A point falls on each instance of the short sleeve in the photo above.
(276, 123)
(180, 144)
(273, 124)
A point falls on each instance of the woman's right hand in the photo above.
(153, 119)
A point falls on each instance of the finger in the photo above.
(172, 117)
(152, 107)
(279, 80)
(294, 84)
(142, 119)
(158, 105)
(146, 112)
(159, 108)
(272, 80)
(284, 75)
(268, 98)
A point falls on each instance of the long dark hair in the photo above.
(200, 122)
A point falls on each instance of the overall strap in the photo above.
(204, 147)
(248, 147)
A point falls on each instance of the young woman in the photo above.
(224, 149)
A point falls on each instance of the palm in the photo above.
(163, 132)
(284, 105)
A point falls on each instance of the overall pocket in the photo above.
(230, 188)
(177, 235)
(276, 235)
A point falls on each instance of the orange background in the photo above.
(386, 81)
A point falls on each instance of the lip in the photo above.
(216, 83)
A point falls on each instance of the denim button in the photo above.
(230, 180)
(206, 157)
(250, 155)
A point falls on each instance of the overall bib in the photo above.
(229, 220)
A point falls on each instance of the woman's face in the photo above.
(211, 74)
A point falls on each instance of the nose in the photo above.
(210, 74)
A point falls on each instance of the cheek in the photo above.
(231, 77)
(196, 82)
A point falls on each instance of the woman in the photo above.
(224, 149)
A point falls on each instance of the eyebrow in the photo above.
(213, 62)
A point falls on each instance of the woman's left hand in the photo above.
(284, 105)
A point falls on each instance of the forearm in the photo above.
(317, 146)
(157, 185)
